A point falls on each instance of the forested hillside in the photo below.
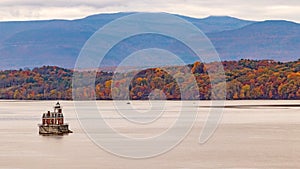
(246, 79)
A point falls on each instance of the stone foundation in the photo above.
(54, 129)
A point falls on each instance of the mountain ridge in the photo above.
(277, 40)
(58, 42)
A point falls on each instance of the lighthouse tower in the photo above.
(58, 114)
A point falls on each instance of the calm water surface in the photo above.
(252, 134)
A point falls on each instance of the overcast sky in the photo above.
(72, 9)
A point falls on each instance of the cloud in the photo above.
(71, 9)
(60, 3)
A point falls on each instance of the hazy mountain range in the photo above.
(58, 42)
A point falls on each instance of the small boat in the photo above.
(53, 122)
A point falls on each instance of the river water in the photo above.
(251, 134)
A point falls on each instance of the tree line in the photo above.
(245, 79)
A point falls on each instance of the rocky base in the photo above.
(54, 129)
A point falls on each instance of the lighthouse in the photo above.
(53, 122)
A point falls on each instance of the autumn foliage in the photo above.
(245, 79)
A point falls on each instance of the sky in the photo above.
(16, 10)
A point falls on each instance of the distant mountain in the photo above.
(218, 23)
(58, 42)
(52, 42)
(277, 40)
